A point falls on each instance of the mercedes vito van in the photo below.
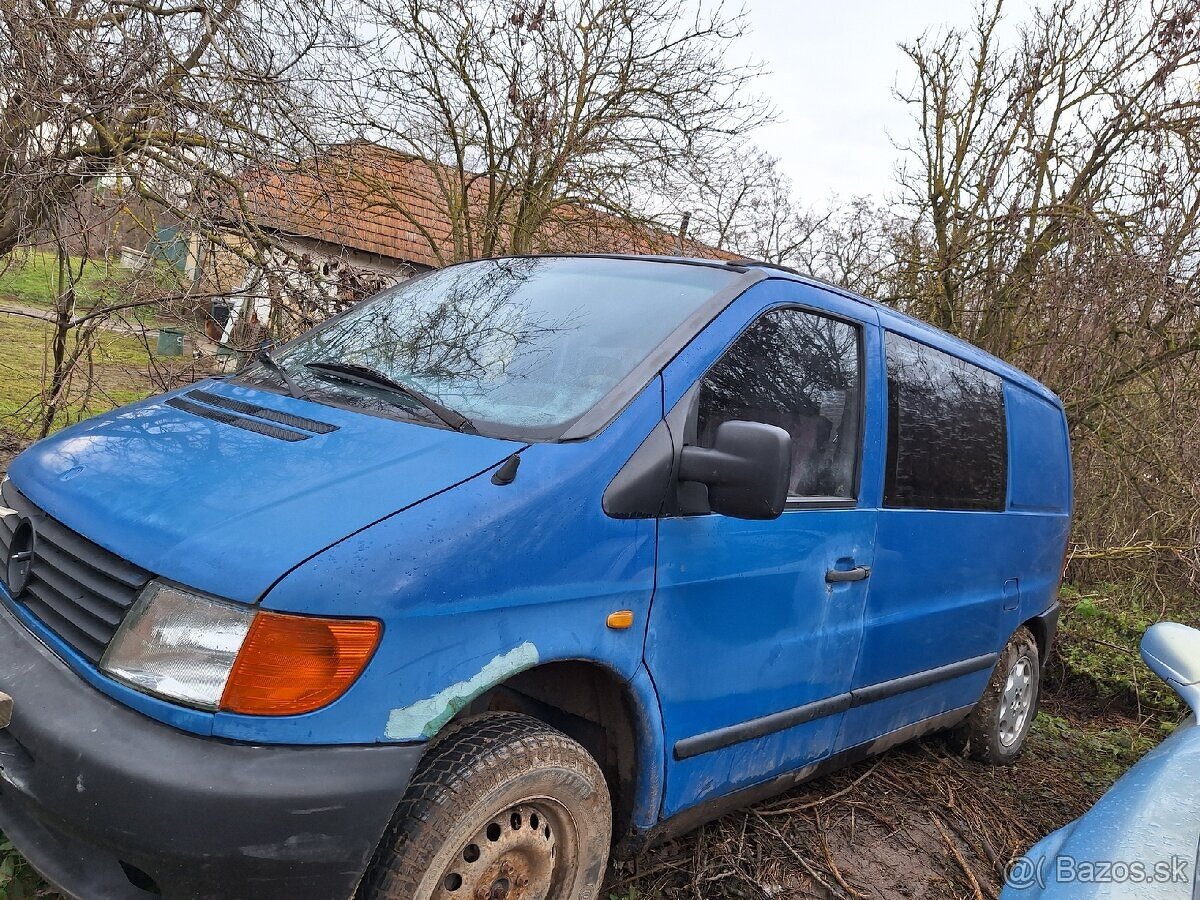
(516, 562)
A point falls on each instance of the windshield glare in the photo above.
(525, 346)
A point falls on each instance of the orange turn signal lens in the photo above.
(295, 664)
(620, 620)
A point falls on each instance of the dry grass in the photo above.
(118, 376)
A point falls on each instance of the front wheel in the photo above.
(503, 808)
(997, 727)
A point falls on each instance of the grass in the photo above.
(1099, 752)
(17, 880)
(1099, 635)
(31, 279)
(120, 374)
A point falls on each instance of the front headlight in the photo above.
(214, 654)
(178, 645)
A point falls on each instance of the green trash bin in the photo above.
(170, 342)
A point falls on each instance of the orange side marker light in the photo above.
(620, 620)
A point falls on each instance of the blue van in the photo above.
(516, 563)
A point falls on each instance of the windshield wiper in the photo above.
(368, 376)
(264, 356)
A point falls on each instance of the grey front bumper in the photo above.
(102, 799)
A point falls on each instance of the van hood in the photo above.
(208, 503)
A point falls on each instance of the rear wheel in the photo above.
(996, 730)
(503, 808)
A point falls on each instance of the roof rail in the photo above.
(759, 264)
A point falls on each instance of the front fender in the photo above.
(476, 584)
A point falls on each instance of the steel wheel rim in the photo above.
(1016, 701)
(524, 852)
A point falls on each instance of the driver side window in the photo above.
(800, 371)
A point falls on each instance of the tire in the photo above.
(505, 808)
(1000, 722)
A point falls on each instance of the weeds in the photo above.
(17, 880)
(1099, 634)
(1100, 755)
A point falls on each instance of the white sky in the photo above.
(833, 66)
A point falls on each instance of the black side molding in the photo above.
(885, 689)
(720, 738)
(761, 727)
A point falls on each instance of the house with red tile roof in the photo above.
(362, 216)
(390, 211)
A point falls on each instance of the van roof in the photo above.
(945, 341)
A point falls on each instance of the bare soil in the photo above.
(10, 446)
(918, 822)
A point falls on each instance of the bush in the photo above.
(1098, 640)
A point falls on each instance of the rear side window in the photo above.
(947, 445)
(800, 371)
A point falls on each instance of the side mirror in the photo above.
(1172, 651)
(746, 470)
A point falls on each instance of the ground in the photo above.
(919, 821)
(119, 373)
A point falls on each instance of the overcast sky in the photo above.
(833, 67)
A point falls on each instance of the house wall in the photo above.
(306, 281)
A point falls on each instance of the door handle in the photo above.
(858, 573)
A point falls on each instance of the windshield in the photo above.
(520, 347)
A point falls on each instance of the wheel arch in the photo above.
(1043, 627)
(614, 718)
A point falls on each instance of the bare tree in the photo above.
(162, 95)
(740, 201)
(1074, 130)
(160, 105)
(1051, 190)
(529, 118)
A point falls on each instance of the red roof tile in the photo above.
(369, 198)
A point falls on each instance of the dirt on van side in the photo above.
(918, 822)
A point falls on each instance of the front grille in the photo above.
(77, 589)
